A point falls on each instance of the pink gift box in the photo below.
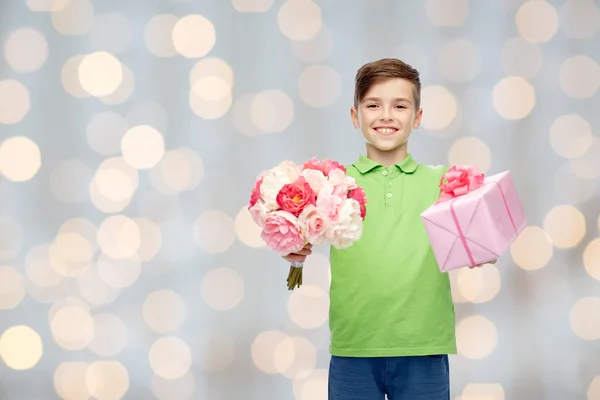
(476, 227)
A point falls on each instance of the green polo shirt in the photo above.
(387, 295)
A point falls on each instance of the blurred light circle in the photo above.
(170, 357)
(100, 73)
(471, 150)
(537, 21)
(263, 350)
(440, 107)
(20, 158)
(211, 88)
(207, 109)
(119, 237)
(579, 76)
(70, 379)
(565, 225)
(480, 285)
(75, 18)
(319, 85)
(14, 101)
(571, 135)
(580, 19)
(532, 249)
(272, 111)
(309, 308)
(211, 67)
(69, 75)
(142, 147)
(26, 50)
(72, 328)
(584, 318)
(246, 229)
(299, 19)
(21, 347)
(295, 357)
(588, 165)
(514, 97)
(107, 380)
(164, 310)
(193, 36)
(447, 13)
(47, 5)
(591, 258)
(476, 337)
(110, 335)
(158, 35)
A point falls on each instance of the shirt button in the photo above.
(385, 173)
(389, 195)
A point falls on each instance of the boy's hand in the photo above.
(299, 256)
(481, 265)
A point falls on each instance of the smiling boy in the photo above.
(391, 313)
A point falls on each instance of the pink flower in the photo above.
(459, 180)
(255, 195)
(293, 197)
(259, 212)
(325, 166)
(313, 163)
(359, 195)
(314, 224)
(282, 233)
(330, 199)
(329, 165)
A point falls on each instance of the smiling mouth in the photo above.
(386, 130)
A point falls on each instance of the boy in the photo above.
(391, 311)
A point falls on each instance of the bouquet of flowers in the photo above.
(315, 203)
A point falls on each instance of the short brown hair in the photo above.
(381, 70)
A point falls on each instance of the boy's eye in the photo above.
(372, 105)
(401, 106)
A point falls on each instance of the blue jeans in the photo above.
(400, 378)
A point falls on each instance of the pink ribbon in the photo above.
(461, 234)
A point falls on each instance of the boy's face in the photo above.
(387, 115)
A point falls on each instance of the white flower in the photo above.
(316, 179)
(348, 227)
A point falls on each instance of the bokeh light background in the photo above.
(131, 134)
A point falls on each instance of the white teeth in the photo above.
(386, 130)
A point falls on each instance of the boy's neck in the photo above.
(387, 158)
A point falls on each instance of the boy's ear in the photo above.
(418, 117)
(354, 116)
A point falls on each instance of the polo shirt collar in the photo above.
(365, 164)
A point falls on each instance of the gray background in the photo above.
(129, 266)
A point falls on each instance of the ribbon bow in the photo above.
(458, 181)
